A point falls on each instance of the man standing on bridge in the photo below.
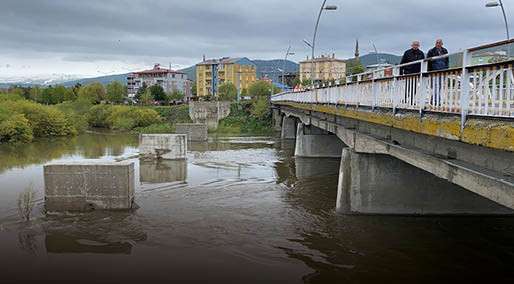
(437, 65)
(411, 84)
(411, 55)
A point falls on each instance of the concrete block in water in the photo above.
(195, 131)
(163, 146)
(89, 185)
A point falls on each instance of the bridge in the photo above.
(438, 142)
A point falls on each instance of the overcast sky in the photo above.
(98, 37)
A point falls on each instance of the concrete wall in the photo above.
(163, 146)
(90, 185)
(289, 128)
(163, 171)
(209, 113)
(312, 142)
(195, 132)
(380, 184)
(277, 120)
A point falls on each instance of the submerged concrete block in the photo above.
(163, 146)
(195, 131)
(89, 185)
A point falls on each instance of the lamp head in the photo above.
(492, 4)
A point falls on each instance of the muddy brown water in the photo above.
(240, 210)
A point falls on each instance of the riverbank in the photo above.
(23, 121)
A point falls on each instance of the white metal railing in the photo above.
(477, 86)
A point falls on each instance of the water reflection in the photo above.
(162, 171)
(97, 232)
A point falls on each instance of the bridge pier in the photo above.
(313, 142)
(381, 184)
(288, 128)
(277, 120)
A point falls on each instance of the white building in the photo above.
(168, 79)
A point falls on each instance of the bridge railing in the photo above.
(480, 82)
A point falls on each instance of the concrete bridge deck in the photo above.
(458, 126)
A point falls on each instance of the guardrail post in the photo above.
(464, 88)
(374, 91)
(422, 87)
(394, 95)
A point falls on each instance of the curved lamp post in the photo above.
(313, 44)
(496, 4)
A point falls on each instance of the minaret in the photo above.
(357, 54)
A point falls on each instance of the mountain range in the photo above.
(265, 68)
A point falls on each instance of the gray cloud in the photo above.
(182, 31)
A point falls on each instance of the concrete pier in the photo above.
(381, 184)
(209, 113)
(313, 142)
(89, 185)
(289, 128)
(163, 146)
(277, 120)
(163, 171)
(195, 132)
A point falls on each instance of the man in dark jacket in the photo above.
(411, 55)
(438, 64)
(436, 84)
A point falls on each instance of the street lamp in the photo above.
(313, 44)
(288, 52)
(494, 4)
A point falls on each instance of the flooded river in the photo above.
(240, 210)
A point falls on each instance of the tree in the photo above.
(147, 98)
(116, 92)
(354, 67)
(158, 94)
(194, 91)
(227, 92)
(141, 91)
(262, 88)
(176, 96)
(94, 93)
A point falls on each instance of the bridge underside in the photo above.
(388, 170)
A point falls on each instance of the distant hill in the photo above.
(122, 78)
(273, 68)
(373, 58)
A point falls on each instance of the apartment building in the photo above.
(210, 74)
(326, 68)
(168, 79)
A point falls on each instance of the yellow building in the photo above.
(210, 74)
(326, 68)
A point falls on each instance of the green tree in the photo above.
(70, 95)
(116, 92)
(354, 67)
(194, 91)
(141, 91)
(262, 88)
(94, 93)
(147, 98)
(176, 96)
(158, 94)
(227, 92)
(261, 108)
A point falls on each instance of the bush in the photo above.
(44, 121)
(15, 129)
(98, 116)
(121, 117)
